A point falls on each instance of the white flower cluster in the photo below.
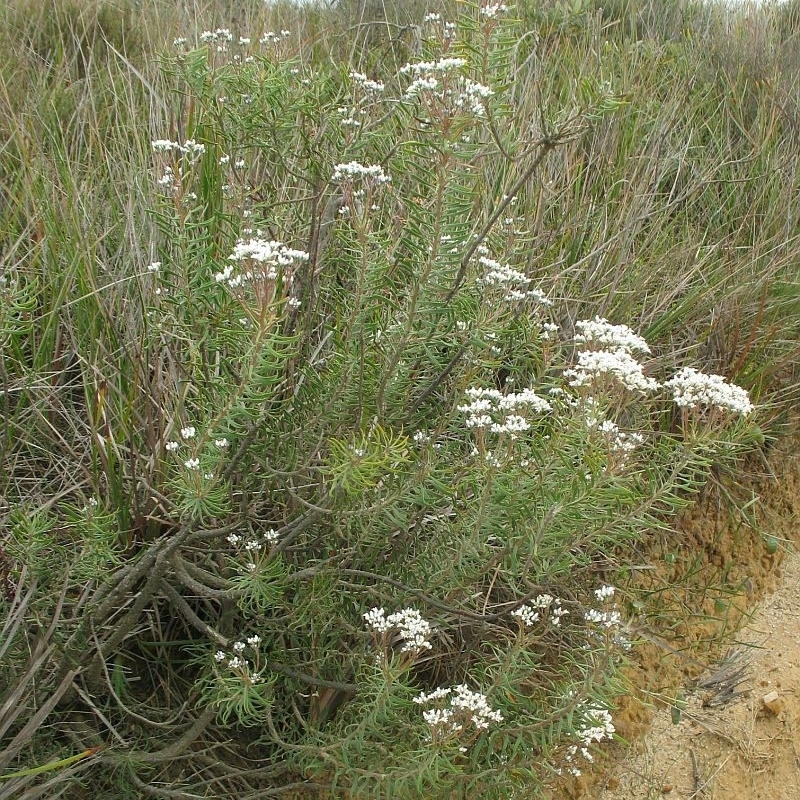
(491, 10)
(615, 359)
(352, 171)
(619, 442)
(694, 389)
(413, 629)
(529, 613)
(269, 255)
(605, 593)
(369, 86)
(515, 283)
(618, 364)
(219, 36)
(189, 148)
(548, 331)
(250, 546)
(270, 37)
(598, 726)
(464, 707)
(600, 331)
(486, 404)
(472, 97)
(606, 619)
(167, 180)
(442, 66)
(267, 251)
(609, 620)
(253, 544)
(459, 93)
(246, 671)
(448, 29)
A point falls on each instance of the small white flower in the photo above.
(436, 694)
(376, 620)
(492, 10)
(413, 629)
(221, 443)
(164, 146)
(556, 613)
(527, 615)
(543, 601)
(365, 83)
(154, 267)
(188, 432)
(548, 331)
(271, 536)
(192, 463)
(604, 593)
(172, 446)
(167, 180)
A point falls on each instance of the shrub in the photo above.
(352, 533)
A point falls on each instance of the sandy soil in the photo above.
(718, 712)
(739, 734)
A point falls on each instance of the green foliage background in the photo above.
(636, 162)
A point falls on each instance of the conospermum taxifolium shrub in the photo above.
(385, 486)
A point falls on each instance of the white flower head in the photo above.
(693, 389)
(376, 620)
(370, 86)
(413, 630)
(464, 708)
(595, 365)
(502, 413)
(526, 615)
(514, 284)
(601, 332)
(491, 10)
(354, 171)
(604, 593)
